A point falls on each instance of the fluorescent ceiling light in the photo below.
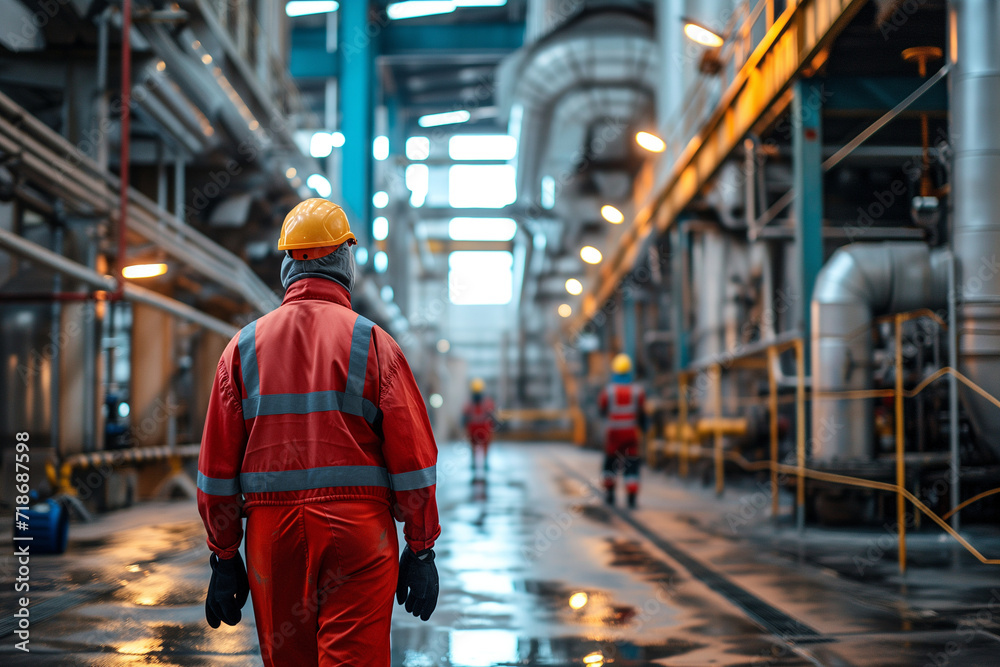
(320, 184)
(445, 118)
(380, 148)
(548, 192)
(380, 228)
(418, 148)
(650, 142)
(337, 139)
(481, 185)
(412, 9)
(480, 277)
(306, 7)
(590, 254)
(361, 255)
(482, 147)
(482, 229)
(480, 3)
(144, 270)
(381, 262)
(380, 199)
(321, 144)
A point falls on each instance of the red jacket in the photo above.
(623, 405)
(478, 418)
(312, 403)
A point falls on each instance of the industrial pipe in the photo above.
(859, 282)
(124, 160)
(975, 134)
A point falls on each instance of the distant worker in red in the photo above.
(317, 434)
(479, 419)
(622, 404)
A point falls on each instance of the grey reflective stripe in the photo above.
(418, 479)
(621, 416)
(313, 478)
(361, 339)
(218, 486)
(309, 402)
(248, 358)
(351, 401)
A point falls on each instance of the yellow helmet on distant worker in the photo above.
(477, 386)
(315, 228)
(621, 364)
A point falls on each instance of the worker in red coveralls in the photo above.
(479, 419)
(622, 404)
(317, 434)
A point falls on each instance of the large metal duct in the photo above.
(975, 133)
(605, 48)
(862, 281)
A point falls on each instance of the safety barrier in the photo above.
(683, 444)
(573, 415)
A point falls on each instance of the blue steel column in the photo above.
(356, 54)
(628, 324)
(807, 158)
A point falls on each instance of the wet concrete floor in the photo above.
(536, 570)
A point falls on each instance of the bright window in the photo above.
(481, 185)
(482, 147)
(482, 229)
(417, 177)
(418, 148)
(480, 277)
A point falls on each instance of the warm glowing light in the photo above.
(650, 142)
(144, 270)
(133, 567)
(207, 59)
(565, 310)
(436, 401)
(612, 214)
(160, 66)
(576, 600)
(443, 346)
(596, 658)
(702, 35)
(590, 254)
(574, 286)
(290, 172)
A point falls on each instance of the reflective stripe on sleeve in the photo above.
(218, 486)
(248, 358)
(313, 478)
(417, 479)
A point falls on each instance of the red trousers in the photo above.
(322, 579)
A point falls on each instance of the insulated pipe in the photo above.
(859, 282)
(41, 255)
(975, 134)
(124, 161)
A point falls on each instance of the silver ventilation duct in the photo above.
(975, 133)
(600, 54)
(860, 282)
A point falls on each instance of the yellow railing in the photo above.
(62, 478)
(684, 436)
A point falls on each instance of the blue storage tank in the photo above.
(48, 526)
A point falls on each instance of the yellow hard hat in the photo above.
(621, 364)
(477, 386)
(315, 223)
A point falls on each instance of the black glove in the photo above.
(227, 592)
(418, 573)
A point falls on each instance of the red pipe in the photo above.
(124, 162)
